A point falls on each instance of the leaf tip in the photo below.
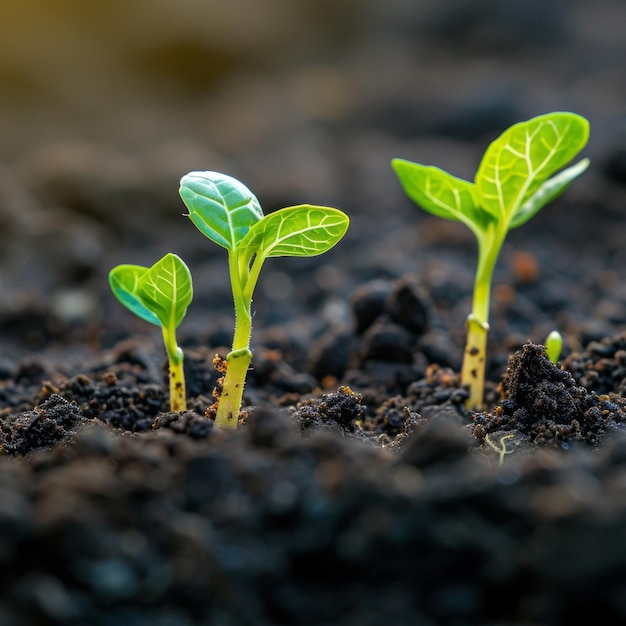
(400, 165)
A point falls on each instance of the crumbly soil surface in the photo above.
(357, 489)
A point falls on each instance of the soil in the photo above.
(357, 488)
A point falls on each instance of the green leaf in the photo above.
(221, 208)
(550, 190)
(166, 290)
(518, 162)
(437, 192)
(554, 345)
(302, 230)
(124, 283)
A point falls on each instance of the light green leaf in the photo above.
(221, 208)
(437, 192)
(166, 290)
(554, 345)
(124, 282)
(302, 230)
(518, 162)
(550, 190)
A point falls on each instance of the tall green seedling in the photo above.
(228, 213)
(160, 295)
(516, 178)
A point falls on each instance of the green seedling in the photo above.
(513, 182)
(554, 345)
(160, 295)
(228, 213)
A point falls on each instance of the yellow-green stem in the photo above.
(238, 362)
(178, 399)
(239, 358)
(502, 450)
(474, 359)
(475, 355)
(178, 392)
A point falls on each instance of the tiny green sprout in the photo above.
(513, 182)
(502, 450)
(554, 345)
(160, 295)
(228, 213)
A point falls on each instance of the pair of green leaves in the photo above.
(513, 181)
(516, 178)
(228, 213)
(159, 294)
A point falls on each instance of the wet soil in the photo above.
(357, 489)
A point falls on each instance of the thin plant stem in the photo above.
(475, 355)
(178, 393)
(239, 358)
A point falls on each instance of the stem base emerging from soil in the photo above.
(473, 371)
(232, 391)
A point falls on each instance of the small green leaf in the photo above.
(550, 190)
(554, 345)
(124, 282)
(302, 230)
(518, 162)
(166, 290)
(221, 208)
(440, 193)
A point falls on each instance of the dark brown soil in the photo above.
(357, 488)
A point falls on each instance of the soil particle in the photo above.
(601, 367)
(407, 305)
(439, 441)
(544, 403)
(368, 303)
(385, 340)
(439, 386)
(276, 377)
(115, 400)
(189, 422)
(50, 422)
(331, 354)
(342, 410)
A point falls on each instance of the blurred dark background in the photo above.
(105, 104)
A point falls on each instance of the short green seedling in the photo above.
(513, 182)
(228, 213)
(554, 345)
(160, 295)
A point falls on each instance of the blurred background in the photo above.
(104, 105)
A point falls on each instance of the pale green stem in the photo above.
(178, 394)
(502, 450)
(239, 358)
(229, 406)
(475, 356)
